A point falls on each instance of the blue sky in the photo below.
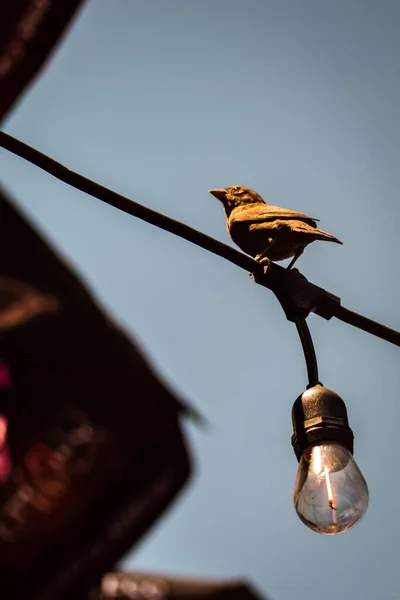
(163, 100)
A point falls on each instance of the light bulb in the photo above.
(330, 493)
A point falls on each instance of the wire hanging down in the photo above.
(309, 350)
(275, 278)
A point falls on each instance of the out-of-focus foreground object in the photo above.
(29, 30)
(91, 450)
(150, 586)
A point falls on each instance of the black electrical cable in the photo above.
(308, 350)
(368, 325)
(181, 230)
(125, 204)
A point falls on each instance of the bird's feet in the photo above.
(263, 260)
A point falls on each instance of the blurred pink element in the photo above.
(5, 379)
(5, 459)
(5, 464)
(3, 430)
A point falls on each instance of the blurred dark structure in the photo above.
(91, 450)
(148, 586)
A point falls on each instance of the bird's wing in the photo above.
(264, 212)
(297, 226)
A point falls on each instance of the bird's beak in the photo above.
(219, 194)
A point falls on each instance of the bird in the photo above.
(264, 231)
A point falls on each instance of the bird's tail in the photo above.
(326, 237)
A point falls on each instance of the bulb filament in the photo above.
(331, 497)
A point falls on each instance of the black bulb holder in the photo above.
(319, 415)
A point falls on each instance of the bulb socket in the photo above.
(320, 415)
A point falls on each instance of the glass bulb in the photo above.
(330, 494)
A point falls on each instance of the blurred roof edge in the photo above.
(157, 586)
(29, 32)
